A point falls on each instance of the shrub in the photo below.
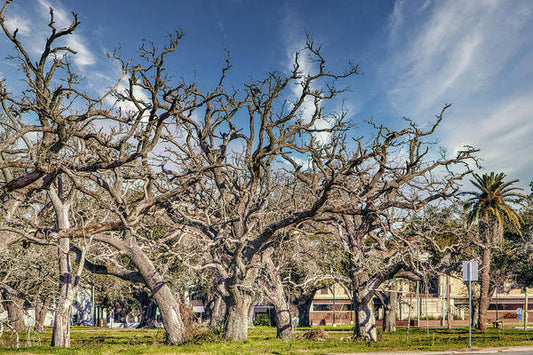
(204, 335)
(262, 319)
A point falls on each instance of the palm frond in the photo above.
(492, 204)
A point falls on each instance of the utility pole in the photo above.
(426, 286)
(333, 292)
(93, 307)
(525, 307)
(409, 317)
(448, 302)
(332, 289)
(497, 307)
(418, 308)
(442, 300)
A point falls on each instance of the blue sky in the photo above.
(415, 56)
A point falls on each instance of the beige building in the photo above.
(429, 302)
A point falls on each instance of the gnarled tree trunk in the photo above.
(475, 312)
(251, 310)
(67, 284)
(61, 332)
(484, 289)
(275, 293)
(148, 318)
(236, 316)
(390, 307)
(365, 319)
(303, 314)
(282, 313)
(41, 310)
(216, 312)
(15, 312)
(167, 303)
(303, 304)
(284, 329)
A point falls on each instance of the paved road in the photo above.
(509, 350)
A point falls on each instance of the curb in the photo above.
(499, 350)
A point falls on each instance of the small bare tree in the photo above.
(27, 281)
(303, 260)
(393, 175)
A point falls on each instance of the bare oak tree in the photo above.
(66, 144)
(263, 147)
(393, 175)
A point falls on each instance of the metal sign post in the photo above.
(469, 307)
(470, 273)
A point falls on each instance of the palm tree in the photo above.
(491, 206)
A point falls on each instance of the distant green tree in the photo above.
(492, 207)
(523, 273)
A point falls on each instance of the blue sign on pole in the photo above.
(519, 313)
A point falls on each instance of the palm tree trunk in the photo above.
(484, 289)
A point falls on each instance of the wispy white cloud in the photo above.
(471, 54)
(295, 39)
(32, 17)
(32, 23)
(396, 20)
(83, 55)
(457, 46)
(62, 18)
(19, 22)
(504, 136)
(127, 107)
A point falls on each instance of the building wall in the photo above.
(333, 305)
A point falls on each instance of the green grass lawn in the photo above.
(261, 340)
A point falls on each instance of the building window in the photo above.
(321, 307)
(432, 287)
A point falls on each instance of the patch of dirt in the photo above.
(316, 334)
